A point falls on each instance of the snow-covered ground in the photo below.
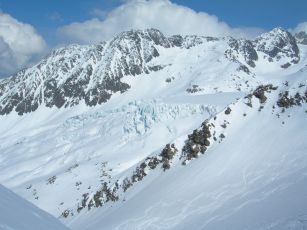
(19, 214)
(253, 176)
(254, 179)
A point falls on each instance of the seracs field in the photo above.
(152, 132)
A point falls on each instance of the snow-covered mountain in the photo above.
(92, 74)
(153, 132)
(19, 214)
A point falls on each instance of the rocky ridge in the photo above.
(92, 74)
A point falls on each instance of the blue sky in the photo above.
(30, 28)
(257, 13)
(47, 15)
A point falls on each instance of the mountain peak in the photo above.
(279, 30)
(150, 34)
(278, 43)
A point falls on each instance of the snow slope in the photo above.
(18, 214)
(254, 178)
(110, 164)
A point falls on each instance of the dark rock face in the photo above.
(190, 41)
(243, 47)
(250, 55)
(301, 37)
(260, 91)
(176, 40)
(228, 111)
(197, 142)
(286, 65)
(286, 100)
(167, 155)
(274, 46)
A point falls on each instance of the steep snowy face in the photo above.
(19, 214)
(92, 74)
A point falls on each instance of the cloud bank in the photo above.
(7, 62)
(300, 27)
(164, 15)
(19, 44)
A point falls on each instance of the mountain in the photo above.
(92, 74)
(147, 131)
(301, 37)
(18, 214)
(86, 73)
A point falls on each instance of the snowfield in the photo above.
(234, 114)
(19, 214)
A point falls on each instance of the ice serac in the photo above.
(18, 214)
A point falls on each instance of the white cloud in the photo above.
(19, 44)
(99, 13)
(7, 61)
(164, 15)
(300, 27)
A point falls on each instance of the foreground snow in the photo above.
(18, 214)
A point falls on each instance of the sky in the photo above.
(30, 29)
